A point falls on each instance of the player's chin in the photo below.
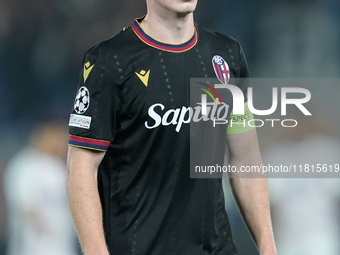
(187, 6)
(189, 1)
(186, 10)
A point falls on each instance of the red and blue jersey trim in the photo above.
(88, 143)
(177, 48)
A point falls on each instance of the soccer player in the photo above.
(129, 185)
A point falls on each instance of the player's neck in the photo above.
(171, 29)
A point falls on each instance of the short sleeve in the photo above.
(239, 123)
(243, 79)
(93, 119)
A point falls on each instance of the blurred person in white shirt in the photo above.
(305, 210)
(39, 221)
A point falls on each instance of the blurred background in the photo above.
(41, 47)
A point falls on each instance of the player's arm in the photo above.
(251, 194)
(83, 196)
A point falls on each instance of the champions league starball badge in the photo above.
(82, 101)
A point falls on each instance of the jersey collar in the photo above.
(177, 48)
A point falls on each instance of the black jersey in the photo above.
(132, 92)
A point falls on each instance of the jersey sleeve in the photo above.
(239, 123)
(93, 119)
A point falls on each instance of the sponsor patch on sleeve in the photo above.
(80, 121)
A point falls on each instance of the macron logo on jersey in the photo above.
(87, 70)
(144, 76)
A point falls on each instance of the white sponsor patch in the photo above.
(80, 121)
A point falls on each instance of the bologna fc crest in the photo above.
(221, 69)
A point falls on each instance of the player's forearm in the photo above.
(252, 197)
(86, 209)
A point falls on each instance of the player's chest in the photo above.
(166, 78)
